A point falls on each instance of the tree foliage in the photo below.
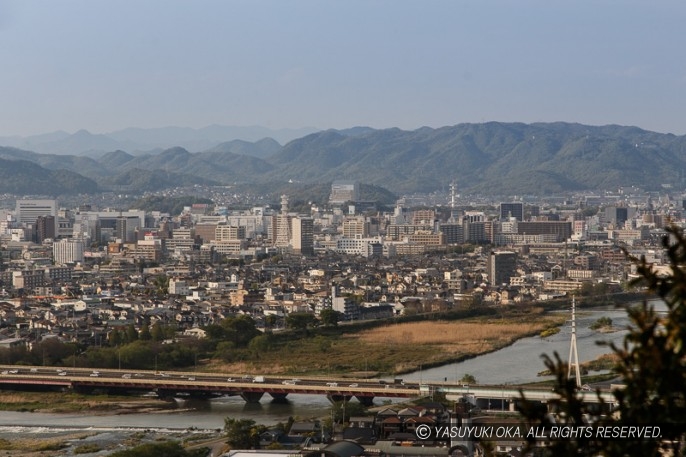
(330, 317)
(243, 433)
(651, 364)
(300, 321)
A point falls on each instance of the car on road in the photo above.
(94, 375)
(332, 384)
(126, 376)
(62, 373)
(230, 380)
(288, 383)
(354, 385)
(14, 371)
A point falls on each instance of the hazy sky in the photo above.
(107, 65)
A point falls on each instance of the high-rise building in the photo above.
(206, 231)
(344, 191)
(501, 266)
(559, 230)
(425, 217)
(452, 233)
(515, 209)
(45, 228)
(67, 251)
(302, 240)
(355, 227)
(228, 232)
(118, 224)
(617, 215)
(28, 211)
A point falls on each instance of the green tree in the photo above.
(161, 285)
(468, 379)
(240, 330)
(269, 322)
(115, 337)
(215, 332)
(156, 332)
(226, 350)
(261, 343)
(138, 355)
(131, 334)
(330, 317)
(243, 433)
(652, 367)
(145, 332)
(300, 321)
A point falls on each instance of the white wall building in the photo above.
(67, 251)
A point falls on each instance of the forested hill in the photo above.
(489, 158)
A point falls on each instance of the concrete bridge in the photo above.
(197, 384)
(506, 397)
(252, 388)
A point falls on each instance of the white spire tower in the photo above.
(453, 191)
(283, 225)
(573, 353)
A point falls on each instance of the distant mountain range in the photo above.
(490, 158)
(137, 141)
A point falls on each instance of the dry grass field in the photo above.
(397, 348)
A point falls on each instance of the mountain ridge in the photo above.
(487, 158)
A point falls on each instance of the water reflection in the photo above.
(522, 361)
(518, 363)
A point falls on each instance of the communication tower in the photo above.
(453, 201)
(573, 353)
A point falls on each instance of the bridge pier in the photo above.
(279, 397)
(366, 401)
(334, 398)
(252, 397)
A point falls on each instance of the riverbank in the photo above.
(69, 402)
(398, 348)
(104, 442)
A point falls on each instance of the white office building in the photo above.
(68, 251)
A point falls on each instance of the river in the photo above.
(515, 364)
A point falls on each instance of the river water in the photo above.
(518, 363)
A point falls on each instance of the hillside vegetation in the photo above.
(490, 158)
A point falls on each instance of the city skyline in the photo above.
(109, 66)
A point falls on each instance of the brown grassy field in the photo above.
(397, 348)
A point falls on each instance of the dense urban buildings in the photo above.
(269, 260)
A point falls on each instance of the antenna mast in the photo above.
(573, 353)
(453, 191)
